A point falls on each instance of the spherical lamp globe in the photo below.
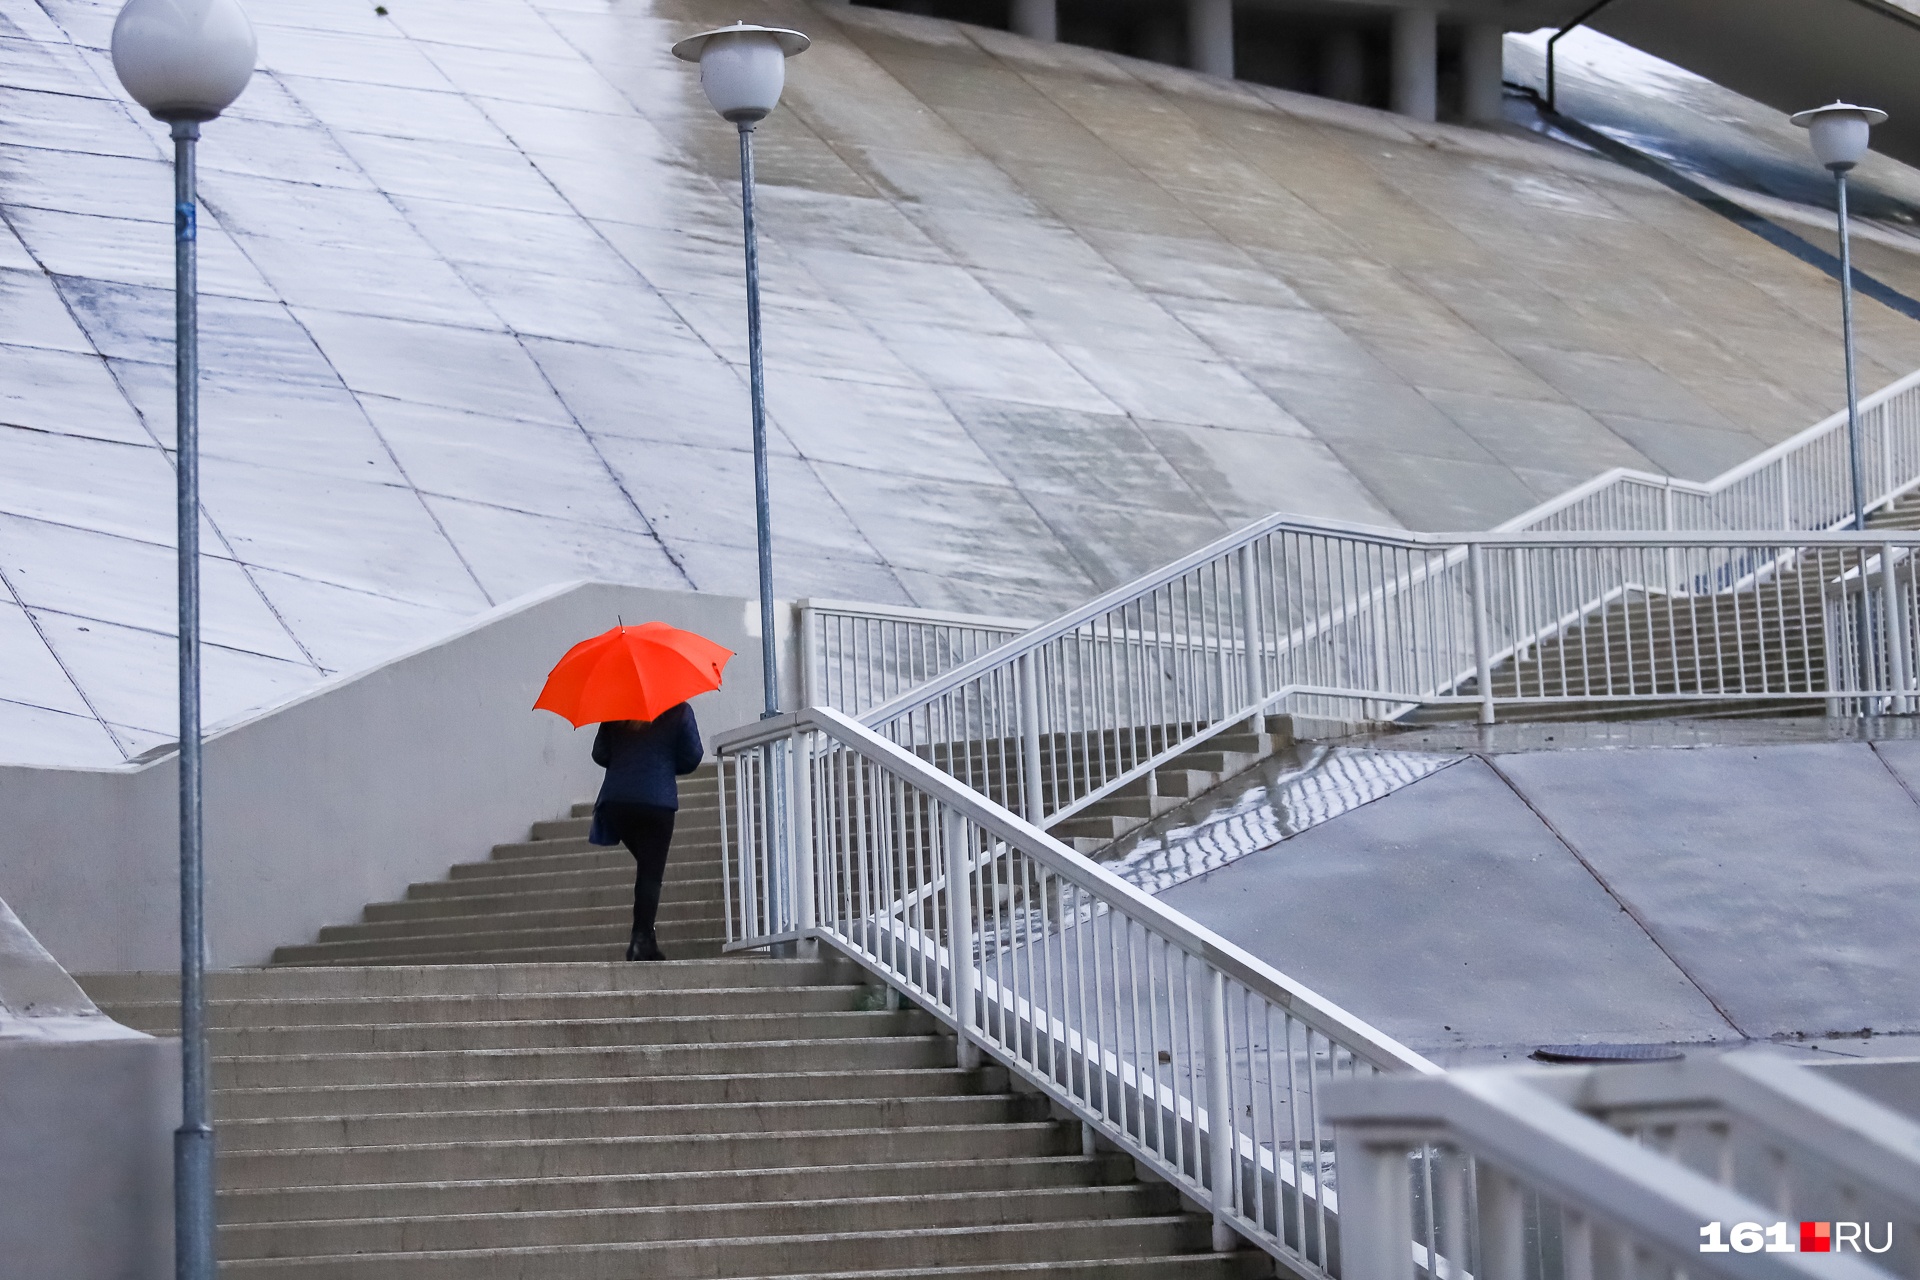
(743, 68)
(1839, 133)
(184, 60)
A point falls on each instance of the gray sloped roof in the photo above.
(1038, 318)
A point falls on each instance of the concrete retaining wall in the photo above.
(87, 1113)
(344, 795)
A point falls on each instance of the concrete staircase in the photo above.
(1774, 638)
(1180, 781)
(495, 1115)
(552, 897)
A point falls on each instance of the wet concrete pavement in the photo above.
(1647, 890)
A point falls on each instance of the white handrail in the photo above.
(1496, 1140)
(1795, 466)
(855, 656)
(1828, 1145)
(1175, 1045)
(1070, 712)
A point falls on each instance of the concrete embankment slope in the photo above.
(1536, 892)
(1039, 318)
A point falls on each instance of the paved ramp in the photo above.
(1649, 894)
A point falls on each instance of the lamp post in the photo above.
(1838, 133)
(185, 61)
(743, 68)
(1839, 136)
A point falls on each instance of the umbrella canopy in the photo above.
(631, 673)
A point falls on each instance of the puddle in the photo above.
(1290, 793)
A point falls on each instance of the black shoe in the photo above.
(643, 947)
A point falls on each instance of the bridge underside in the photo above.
(1790, 54)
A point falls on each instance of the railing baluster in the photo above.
(1220, 1126)
(1482, 656)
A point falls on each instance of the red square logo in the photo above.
(1816, 1237)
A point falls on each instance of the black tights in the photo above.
(646, 830)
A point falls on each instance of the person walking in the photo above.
(638, 802)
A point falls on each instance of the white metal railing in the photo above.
(878, 662)
(857, 656)
(1693, 1168)
(1170, 1043)
(1356, 623)
(1803, 483)
(1792, 1139)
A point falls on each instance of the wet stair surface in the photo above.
(483, 1092)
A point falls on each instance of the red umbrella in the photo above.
(631, 673)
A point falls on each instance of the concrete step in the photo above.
(533, 1033)
(1176, 780)
(1139, 807)
(695, 842)
(527, 880)
(665, 1190)
(1104, 827)
(772, 1254)
(291, 983)
(1224, 763)
(428, 1127)
(581, 1157)
(504, 935)
(451, 1096)
(694, 1222)
(704, 913)
(575, 1063)
(609, 948)
(358, 1010)
(610, 890)
(587, 858)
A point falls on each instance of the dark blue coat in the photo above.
(642, 758)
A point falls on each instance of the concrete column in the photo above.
(1416, 60)
(1343, 66)
(1210, 36)
(1037, 19)
(1482, 61)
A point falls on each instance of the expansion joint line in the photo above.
(1611, 892)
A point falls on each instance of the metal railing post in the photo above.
(1254, 651)
(1482, 661)
(1503, 1227)
(1886, 454)
(1894, 621)
(1032, 807)
(809, 655)
(1667, 519)
(800, 831)
(953, 829)
(1220, 1125)
(1376, 1205)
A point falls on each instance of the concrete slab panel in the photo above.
(1784, 879)
(1386, 910)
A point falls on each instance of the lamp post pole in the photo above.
(1846, 332)
(1839, 133)
(743, 69)
(756, 378)
(185, 61)
(193, 1224)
